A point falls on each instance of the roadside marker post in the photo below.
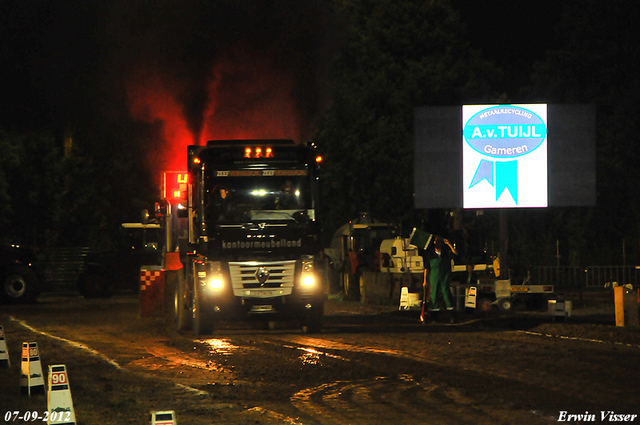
(5, 362)
(59, 401)
(31, 379)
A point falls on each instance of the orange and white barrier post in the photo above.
(164, 418)
(5, 363)
(31, 379)
(59, 401)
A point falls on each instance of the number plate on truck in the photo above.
(262, 308)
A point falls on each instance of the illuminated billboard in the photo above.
(504, 156)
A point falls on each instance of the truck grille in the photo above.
(244, 278)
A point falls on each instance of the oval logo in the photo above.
(262, 274)
(505, 131)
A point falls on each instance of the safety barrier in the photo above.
(592, 277)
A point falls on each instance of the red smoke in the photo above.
(250, 99)
(152, 100)
(245, 99)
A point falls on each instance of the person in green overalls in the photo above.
(439, 255)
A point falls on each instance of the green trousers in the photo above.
(439, 279)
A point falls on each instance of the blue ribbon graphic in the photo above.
(506, 176)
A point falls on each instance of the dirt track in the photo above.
(370, 365)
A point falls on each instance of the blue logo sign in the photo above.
(504, 133)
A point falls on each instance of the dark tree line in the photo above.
(396, 56)
(70, 189)
(401, 55)
(592, 61)
(393, 57)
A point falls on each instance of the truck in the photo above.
(253, 248)
(18, 277)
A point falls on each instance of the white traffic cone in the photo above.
(59, 402)
(164, 418)
(5, 363)
(31, 380)
(404, 298)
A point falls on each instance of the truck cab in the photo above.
(254, 246)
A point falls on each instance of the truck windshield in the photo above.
(264, 197)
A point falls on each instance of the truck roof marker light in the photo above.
(247, 152)
(319, 159)
(268, 153)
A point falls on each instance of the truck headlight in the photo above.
(216, 283)
(212, 278)
(308, 279)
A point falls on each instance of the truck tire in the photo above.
(20, 285)
(202, 318)
(181, 311)
(312, 321)
(94, 285)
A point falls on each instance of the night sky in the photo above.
(199, 67)
(191, 71)
(59, 56)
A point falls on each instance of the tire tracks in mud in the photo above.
(154, 366)
(399, 398)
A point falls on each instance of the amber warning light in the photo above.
(258, 152)
(175, 185)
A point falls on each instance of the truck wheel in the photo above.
(20, 285)
(202, 318)
(92, 285)
(181, 316)
(312, 322)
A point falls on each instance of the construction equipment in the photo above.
(105, 272)
(370, 261)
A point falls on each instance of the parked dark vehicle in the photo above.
(18, 279)
(106, 272)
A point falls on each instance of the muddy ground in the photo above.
(122, 367)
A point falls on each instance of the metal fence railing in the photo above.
(599, 276)
(563, 277)
(592, 277)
